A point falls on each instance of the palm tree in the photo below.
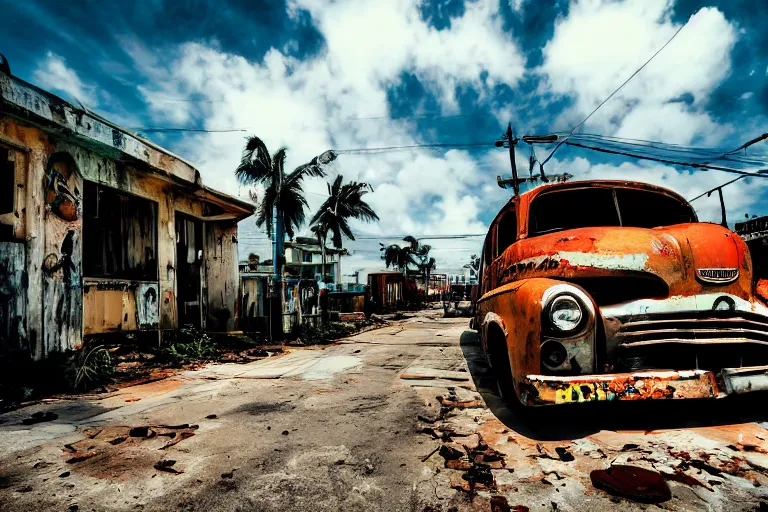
(397, 257)
(345, 202)
(427, 266)
(473, 266)
(400, 257)
(282, 205)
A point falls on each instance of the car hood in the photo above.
(676, 254)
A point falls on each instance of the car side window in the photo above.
(488, 252)
(506, 231)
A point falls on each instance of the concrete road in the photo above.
(401, 418)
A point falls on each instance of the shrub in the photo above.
(89, 368)
(191, 345)
(327, 333)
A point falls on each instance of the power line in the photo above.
(385, 149)
(158, 130)
(426, 116)
(614, 93)
(396, 236)
(671, 162)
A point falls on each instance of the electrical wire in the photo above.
(161, 130)
(613, 94)
(393, 237)
(671, 162)
(356, 151)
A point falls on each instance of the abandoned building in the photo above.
(102, 231)
(304, 258)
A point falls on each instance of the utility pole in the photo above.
(277, 305)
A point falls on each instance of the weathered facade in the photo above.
(102, 231)
(304, 258)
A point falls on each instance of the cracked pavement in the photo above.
(399, 418)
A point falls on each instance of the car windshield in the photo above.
(593, 207)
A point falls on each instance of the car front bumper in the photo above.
(642, 385)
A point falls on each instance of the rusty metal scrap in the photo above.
(635, 483)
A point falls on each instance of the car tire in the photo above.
(498, 359)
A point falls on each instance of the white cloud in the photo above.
(315, 104)
(53, 74)
(601, 43)
(311, 105)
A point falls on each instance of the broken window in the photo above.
(119, 235)
(7, 181)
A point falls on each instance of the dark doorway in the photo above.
(189, 262)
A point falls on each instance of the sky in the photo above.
(314, 75)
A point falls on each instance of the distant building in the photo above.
(304, 258)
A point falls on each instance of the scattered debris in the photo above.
(176, 439)
(427, 456)
(632, 482)
(285, 432)
(211, 417)
(79, 457)
(40, 417)
(167, 466)
(564, 454)
(65, 474)
(683, 478)
(144, 432)
(229, 474)
(500, 504)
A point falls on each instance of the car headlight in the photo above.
(565, 313)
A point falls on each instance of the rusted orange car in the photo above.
(613, 290)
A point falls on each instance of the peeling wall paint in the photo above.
(50, 302)
(13, 299)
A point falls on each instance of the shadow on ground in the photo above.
(575, 421)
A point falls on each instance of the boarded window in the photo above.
(7, 181)
(119, 235)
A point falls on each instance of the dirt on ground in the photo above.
(400, 418)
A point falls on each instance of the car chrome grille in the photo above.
(708, 340)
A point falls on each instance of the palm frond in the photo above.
(255, 164)
(412, 242)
